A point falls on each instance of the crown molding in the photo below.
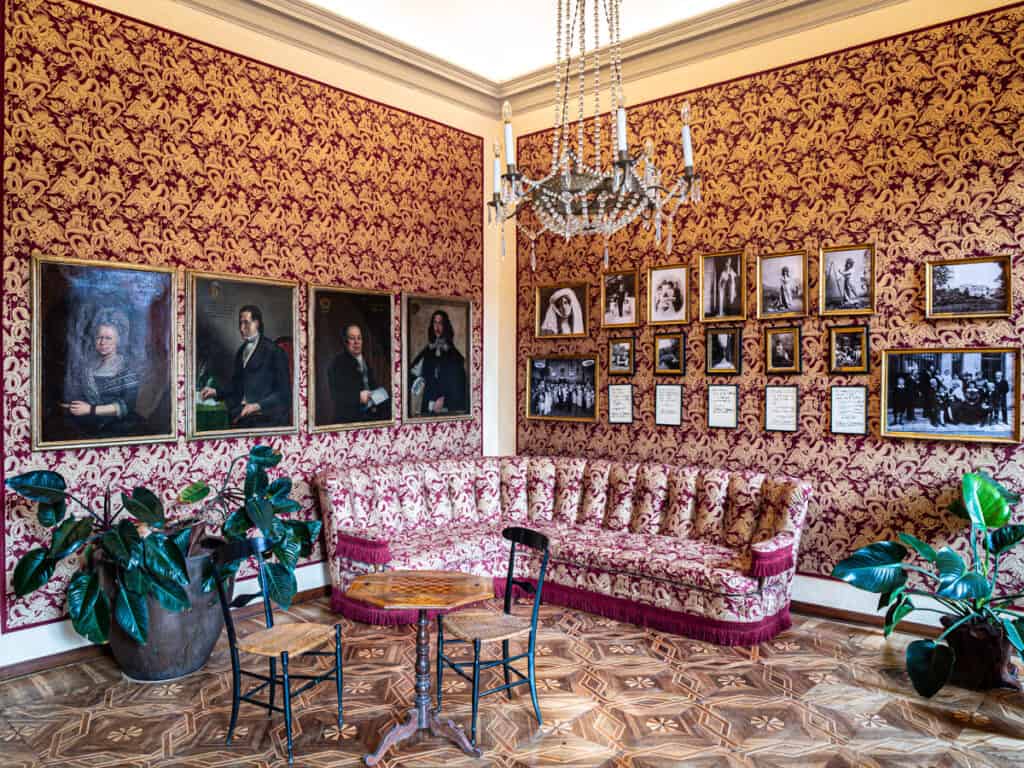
(711, 34)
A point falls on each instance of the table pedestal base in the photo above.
(421, 717)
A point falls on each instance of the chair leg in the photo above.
(440, 658)
(476, 689)
(273, 686)
(286, 685)
(338, 680)
(532, 677)
(236, 694)
(508, 676)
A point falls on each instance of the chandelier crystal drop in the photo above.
(600, 193)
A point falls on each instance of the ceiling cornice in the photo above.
(712, 34)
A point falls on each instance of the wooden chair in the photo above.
(282, 641)
(478, 627)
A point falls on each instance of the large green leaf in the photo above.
(237, 525)
(970, 586)
(897, 613)
(256, 480)
(136, 580)
(170, 595)
(1004, 539)
(986, 506)
(306, 531)
(69, 536)
(876, 568)
(164, 559)
(132, 541)
(284, 506)
(281, 584)
(116, 548)
(924, 550)
(281, 487)
(1011, 497)
(195, 492)
(264, 456)
(1013, 634)
(33, 570)
(132, 613)
(950, 565)
(88, 607)
(887, 597)
(50, 514)
(182, 539)
(287, 549)
(929, 666)
(144, 505)
(41, 486)
(261, 513)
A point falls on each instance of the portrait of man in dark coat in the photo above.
(353, 384)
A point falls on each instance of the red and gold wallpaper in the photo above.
(128, 143)
(915, 144)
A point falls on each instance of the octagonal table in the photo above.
(423, 591)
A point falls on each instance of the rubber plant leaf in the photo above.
(33, 570)
(970, 586)
(89, 607)
(237, 525)
(287, 549)
(876, 568)
(144, 505)
(164, 559)
(69, 536)
(50, 514)
(195, 492)
(41, 486)
(170, 595)
(281, 584)
(132, 614)
(264, 456)
(261, 513)
(929, 666)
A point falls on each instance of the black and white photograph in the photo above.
(781, 285)
(561, 310)
(724, 352)
(849, 349)
(847, 281)
(668, 292)
(669, 354)
(782, 350)
(619, 299)
(952, 394)
(350, 358)
(242, 353)
(620, 403)
(964, 288)
(562, 388)
(620, 357)
(103, 354)
(437, 348)
(723, 289)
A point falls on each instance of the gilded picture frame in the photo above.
(616, 367)
(969, 288)
(668, 295)
(776, 301)
(849, 349)
(542, 402)
(723, 351)
(620, 298)
(723, 287)
(561, 310)
(452, 377)
(846, 291)
(669, 354)
(787, 359)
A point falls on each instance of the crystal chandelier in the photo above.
(581, 194)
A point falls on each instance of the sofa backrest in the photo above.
(730, 508)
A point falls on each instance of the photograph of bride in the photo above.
(847, 284)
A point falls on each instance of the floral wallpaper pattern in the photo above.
(129, 143)
(915, 144)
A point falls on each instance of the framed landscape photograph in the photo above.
(669, 354)
(562, 388)
(620, 403)
(561, 310)
(723, 406)
(952, 394)
(350, 358)
(668, 295)
(437, 357)
(620, 299)
(781, 408)
(963, 288)
(620, 357)
(103, 354)
(846, 284)
(724, 352)
(848, 410)
(723, 289)
(242, 368)
(782, 350)
(782, 285)
(849, 350)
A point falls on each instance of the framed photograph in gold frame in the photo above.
(561, 310)
(782, 285)
(849, 349)
(562, 388)
(964, 288)
(242, 365)
(620, 356)
(964, 394)
(350, 359)
(724, 351)
(846, 280)
(668, 295)
(782, 350)
(620, 299)
(669, 354)
(104, 353)
(723, 287)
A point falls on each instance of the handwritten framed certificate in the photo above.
(620, 403)
(723, 406)
(848, 410)
(668, 405)
(781, 408)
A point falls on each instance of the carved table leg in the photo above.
(396, 735)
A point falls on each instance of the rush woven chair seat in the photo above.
(478, 627)
(278, 642)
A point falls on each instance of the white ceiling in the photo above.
(499, 40)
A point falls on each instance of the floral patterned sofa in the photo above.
(705, 553)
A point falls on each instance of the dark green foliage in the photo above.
(929, 666)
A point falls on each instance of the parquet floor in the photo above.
(822, 694)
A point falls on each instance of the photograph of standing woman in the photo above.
(437, 335)
(722, 287)
(847, 285)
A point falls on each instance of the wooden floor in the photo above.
(821, 694)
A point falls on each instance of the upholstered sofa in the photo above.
(705, 553)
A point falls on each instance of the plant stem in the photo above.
(954, 626)
(231, 469)
(84, 506)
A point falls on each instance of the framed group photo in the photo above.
(669, 354)
(952, 394)
(620, 357)
(724, 352)
(620, 303)
(782, 285)
(846, 284)
(849, 350)
(242, 369)
(668, 293)
(560, 388)
(723, 289)
(782, 350)
(968, 288)
(437, 357)
(350, 358)
(561, 311)
(103, 354)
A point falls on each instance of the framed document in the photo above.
(620, 403)
(723, 406)
(781, 408)
(849, 410)
(668, 405)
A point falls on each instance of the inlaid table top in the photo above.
(421, 589)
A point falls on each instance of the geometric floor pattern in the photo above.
(822, 694)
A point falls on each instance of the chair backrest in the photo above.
(527, 538)
(225, 553)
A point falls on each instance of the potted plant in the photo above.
(979, 629)
(138, 587)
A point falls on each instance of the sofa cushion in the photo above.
(456, 548)
(651, 497)
(460, 480)
(411, 495)
(541, 489)
(742, 508)
(783, 507)
(515, 502)
(621, 487)
(677, 519)
(712, 487)
(595, 493)
(435, 495)
(488, 490)
(568, 489)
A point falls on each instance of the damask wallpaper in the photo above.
(915, 144)
(129, 143)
